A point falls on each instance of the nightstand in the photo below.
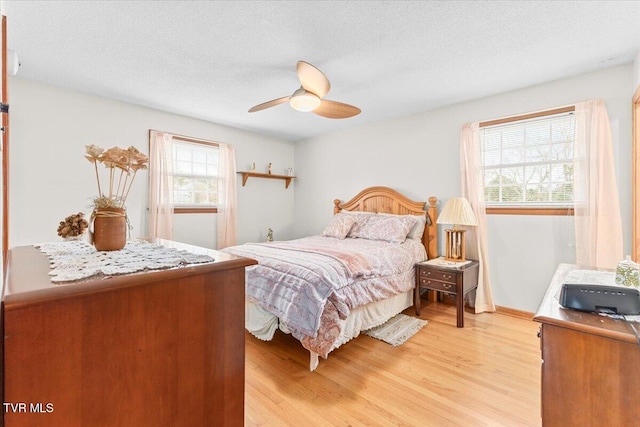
(453, 281)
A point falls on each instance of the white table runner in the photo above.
(76, 260)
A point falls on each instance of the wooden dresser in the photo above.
(159, 348)
(590, 365)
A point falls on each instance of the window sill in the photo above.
(528, 211)
(192, 210)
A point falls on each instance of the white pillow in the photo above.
(339, 226)
(418, 229)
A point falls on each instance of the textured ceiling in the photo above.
(214, 60)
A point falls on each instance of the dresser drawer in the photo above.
(442, 276)
(437, 285)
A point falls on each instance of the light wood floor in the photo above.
(486, 374)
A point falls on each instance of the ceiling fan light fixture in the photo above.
(305, 101)
(314, 85)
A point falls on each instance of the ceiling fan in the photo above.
(310, 96)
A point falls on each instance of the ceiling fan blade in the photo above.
(336, 110)
(313, 79)
(268, 104)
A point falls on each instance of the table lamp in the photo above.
(457, 211)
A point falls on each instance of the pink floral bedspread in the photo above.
(312, 282)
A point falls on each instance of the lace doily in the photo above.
(75, 260)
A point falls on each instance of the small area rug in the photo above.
(397, 330)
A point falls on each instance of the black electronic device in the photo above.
(600, 298)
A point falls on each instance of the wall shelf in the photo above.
(246, 174)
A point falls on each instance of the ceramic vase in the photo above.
(109, 229)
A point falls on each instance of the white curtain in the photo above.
(227, 198)
(160, 185)
(598, 224)
(473, 190)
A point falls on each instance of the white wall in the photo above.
(419, 156)
(636, 71)
(50, 179)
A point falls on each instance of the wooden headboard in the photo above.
(387, 200)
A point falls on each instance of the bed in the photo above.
(357, 274)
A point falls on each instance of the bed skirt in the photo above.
(263, 324)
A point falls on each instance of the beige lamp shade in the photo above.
(456, 211)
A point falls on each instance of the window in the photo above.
(528, 163)
(195, 175)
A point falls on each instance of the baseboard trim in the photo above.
(514, 313)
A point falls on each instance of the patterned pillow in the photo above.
(391, 228)
(417, 230)
(339, 226)
(360, 218)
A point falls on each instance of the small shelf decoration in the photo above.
(73, 227)
(247, 174)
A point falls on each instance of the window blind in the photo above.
(195, 174)
(529, 163)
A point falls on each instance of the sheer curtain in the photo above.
(160, 185)
(473, 189)
(227, 198)
(598, 225)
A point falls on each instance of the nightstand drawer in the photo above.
(437, 285)
(442, 276)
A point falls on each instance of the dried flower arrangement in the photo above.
(73, 225)
(128, 162)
